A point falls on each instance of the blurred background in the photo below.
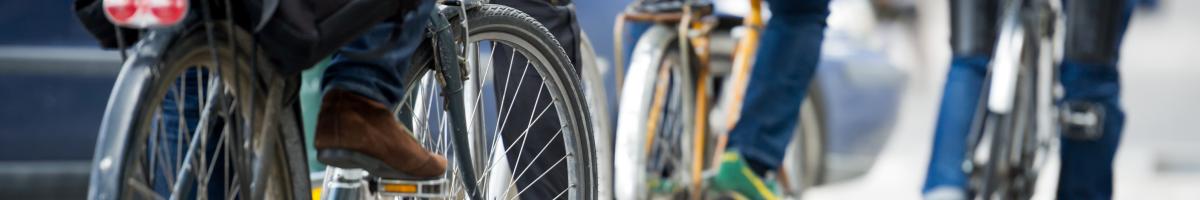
(55, 82)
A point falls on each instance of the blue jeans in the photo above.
(374, 64)
(784, 65)
(1086, 164)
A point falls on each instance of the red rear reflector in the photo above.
(170, 13)
(120, 11)
(145, 13)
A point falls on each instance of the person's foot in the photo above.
(354, 131)
(734, 176)
(945, 193)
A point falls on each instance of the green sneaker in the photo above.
(735, 176)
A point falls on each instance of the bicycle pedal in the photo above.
(1082, 120)
(413, 189)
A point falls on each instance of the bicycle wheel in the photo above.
(530, 132)
(598, 103)
(204, 124)
(654, 130)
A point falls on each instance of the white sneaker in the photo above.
(946, 193)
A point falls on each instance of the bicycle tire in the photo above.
(656, 50)
(597, 94)
(289, 180)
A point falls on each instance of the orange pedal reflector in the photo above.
(400, 188)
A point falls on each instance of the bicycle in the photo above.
(667, 140)
(250, 109)
(1011, 131)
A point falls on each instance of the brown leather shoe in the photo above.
(356, 132)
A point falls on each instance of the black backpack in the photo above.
(296, 34)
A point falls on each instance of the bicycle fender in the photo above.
(129, 90)
(1006, 61)
(635, 97)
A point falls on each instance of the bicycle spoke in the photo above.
(220, 142)
(142, 188)
(535, 157)
(179, 122)
(521, 151)
(561, 193)
(153, 156)
(189, 159)
(503, 96)
(475, 121)
(169, 168)
(235, 190)
(202, 136)
(479, 96)
(510, 146)
(539, 176)
(225, 177)
(515, 94)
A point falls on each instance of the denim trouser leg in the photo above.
(785, 62)
(959, 102)
(1087, 165)
(374, 64)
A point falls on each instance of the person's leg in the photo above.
(960, 100)
(785, 62)
(973, 34)
(1091, 79)
(374, 64)
(786, 59)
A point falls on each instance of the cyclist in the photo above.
(783, 68)
(1089, 75)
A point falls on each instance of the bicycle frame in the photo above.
(1017, 94)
